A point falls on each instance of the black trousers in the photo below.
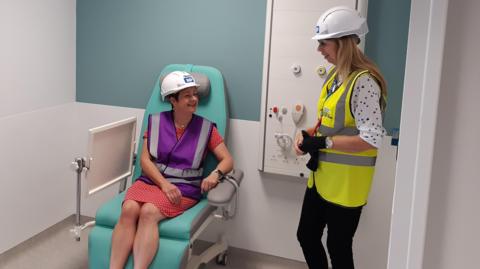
(341, 222)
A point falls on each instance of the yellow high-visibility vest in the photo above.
(342, 178)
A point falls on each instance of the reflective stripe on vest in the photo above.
(346, 159)
(182, 173)
(202, 144)
(153, 135)
(197, 182)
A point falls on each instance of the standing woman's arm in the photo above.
(365, 106)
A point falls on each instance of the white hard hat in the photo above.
(340, 21)
(175, 82)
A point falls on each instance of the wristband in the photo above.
(328, 142)
(219, 173)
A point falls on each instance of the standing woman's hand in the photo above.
(298, 143)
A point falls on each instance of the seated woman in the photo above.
(173, 151)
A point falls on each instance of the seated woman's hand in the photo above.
(172, 192)
(209, 182)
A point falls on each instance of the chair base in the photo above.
(216, 250)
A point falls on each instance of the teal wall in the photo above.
(122, 45)
(386, 44)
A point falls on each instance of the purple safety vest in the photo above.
(180, 161)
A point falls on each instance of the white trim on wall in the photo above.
(266, 67)
(417, 133)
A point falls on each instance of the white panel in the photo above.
(37, 52)
(90, 116)
(110, 153)
(290, 44)
(294, 23)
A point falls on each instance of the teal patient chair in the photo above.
(177, 234)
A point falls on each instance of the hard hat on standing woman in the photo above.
(340, 21)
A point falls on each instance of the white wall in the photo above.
(37, 52)
(452, 233)
(43, 130)
(37, 71)
(38, 186)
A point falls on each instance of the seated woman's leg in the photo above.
(146, 239)
(124, 234)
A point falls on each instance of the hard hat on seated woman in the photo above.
(175, 82)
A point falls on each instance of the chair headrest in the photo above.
(200, 79)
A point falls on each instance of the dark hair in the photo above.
(174, 96)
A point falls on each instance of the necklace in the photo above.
(178, 125)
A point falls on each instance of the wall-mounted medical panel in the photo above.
(293, 74)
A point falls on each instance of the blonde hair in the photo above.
(350, 58)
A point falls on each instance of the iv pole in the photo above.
(79, 165)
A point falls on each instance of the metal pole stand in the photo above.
(79, 165)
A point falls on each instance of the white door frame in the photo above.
(417, 133)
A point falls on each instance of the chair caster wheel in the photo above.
(222, 258)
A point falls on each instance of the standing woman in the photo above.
(343, 144)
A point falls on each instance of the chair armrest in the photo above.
(223, 193)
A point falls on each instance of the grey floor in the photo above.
(56, 248)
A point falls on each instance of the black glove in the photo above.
(312, 144)
(312, 164)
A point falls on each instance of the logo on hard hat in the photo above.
(188, 79)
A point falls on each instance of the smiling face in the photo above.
(186, 101)
(328, 48)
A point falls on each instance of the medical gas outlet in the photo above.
(297, 113)
(278, 112)
(284, 120)
(284, 141)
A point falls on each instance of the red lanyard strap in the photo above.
(319, 122)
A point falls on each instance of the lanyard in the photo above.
(319, 122)
(333, 88)
(330, 91)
